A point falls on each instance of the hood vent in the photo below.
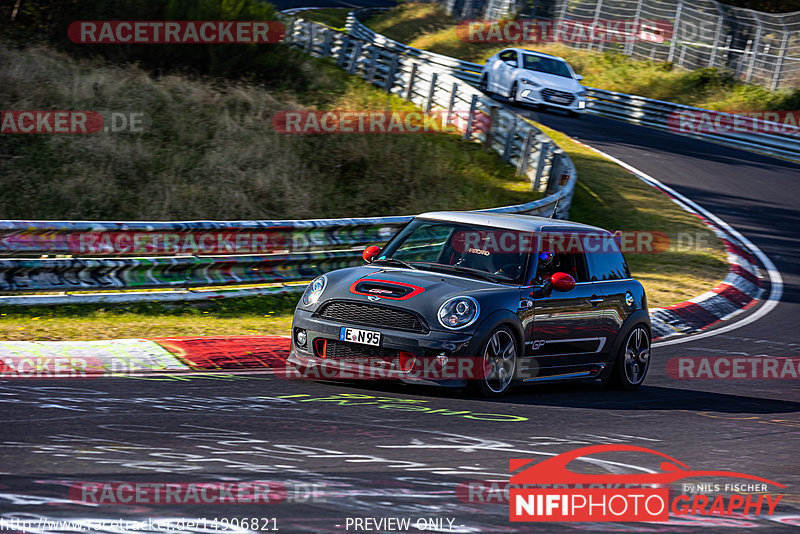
(385, 289)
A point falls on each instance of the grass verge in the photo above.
(335, 18)
(208, 150)
(427, 26)
(236, 316)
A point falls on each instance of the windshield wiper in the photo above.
(395, 261)
(464, 270)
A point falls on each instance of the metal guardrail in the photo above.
(102, 255)
(667, 116)
(767, 138)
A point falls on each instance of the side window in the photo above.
(605, 259)
(508, 55)
(572, 263)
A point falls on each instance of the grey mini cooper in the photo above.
(480, 300)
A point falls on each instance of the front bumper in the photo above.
(537, 95)
(417, 351)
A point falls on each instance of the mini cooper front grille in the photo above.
(563, 98)
(371, 315)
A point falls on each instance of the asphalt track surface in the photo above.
(361, 455)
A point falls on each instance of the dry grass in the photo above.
(209, 151)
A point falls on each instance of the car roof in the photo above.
(535, 53)
(510, 221)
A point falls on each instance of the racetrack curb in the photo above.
(740, 290)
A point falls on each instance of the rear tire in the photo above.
(633, 360)
(498, 357)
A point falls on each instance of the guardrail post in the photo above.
(509, 144)
(342, 55)
(354, 55)
(487, 140)
(453, 94)
(470, 117)
(431, 91)
(389, 82)
(410, 87)
(310, 43)
(289, 36)
(524, 155)
(327, 44)
(373, 63)
(556, 180)
(540, 161)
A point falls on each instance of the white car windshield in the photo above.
(546, 65)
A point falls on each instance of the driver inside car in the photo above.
(551, 263)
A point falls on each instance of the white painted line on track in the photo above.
(775, 279)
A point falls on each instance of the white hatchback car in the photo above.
(528, 77)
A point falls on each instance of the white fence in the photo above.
(757, 47)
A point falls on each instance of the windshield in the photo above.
(546, 65)
(476, 251)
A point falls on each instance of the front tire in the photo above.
(512, 95)
(633, 360)
(483, 85)
(498, 358)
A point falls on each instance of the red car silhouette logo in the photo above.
(554, 470)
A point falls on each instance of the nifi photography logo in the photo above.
(548, 491)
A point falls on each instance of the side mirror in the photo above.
(578, 77)
(562, 282)
(370, 252)
(511, 63)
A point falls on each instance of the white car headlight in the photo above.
(528, 82)
(314, 290)
(458, 312)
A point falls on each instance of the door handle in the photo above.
(596, 301)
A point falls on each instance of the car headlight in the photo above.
(528, 82)
(314, 290)
(458, 312)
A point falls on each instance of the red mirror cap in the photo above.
(562, 282)
(370, 252)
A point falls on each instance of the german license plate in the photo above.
(354, 335)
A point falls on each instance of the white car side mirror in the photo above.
(511, 63)
(578, 77)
